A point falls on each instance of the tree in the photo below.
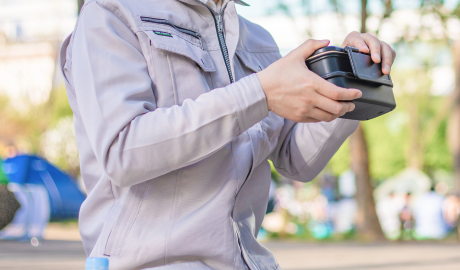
(367, 222)
(454, 121)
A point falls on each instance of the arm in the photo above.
(132, 139)
(304, 149)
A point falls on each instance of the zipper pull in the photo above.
(220, 23)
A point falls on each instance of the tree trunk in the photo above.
(363, 15)
(454, 121)
(80, 4)
(367, 222)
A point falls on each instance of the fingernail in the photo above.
(376, 55)
(352, 107)
(387, 68)
(359, 94)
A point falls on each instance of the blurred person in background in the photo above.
(429, 222)
(451, 213)
(346, 207)
(406, 218)
(388, 211)
(177, 106)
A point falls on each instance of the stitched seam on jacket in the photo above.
(112, 242)
(175, 93)
(108, 214)
(233, 206)
(147, 184)
(151, 67)
(122, 227)
(173, 214)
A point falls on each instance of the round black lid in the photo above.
(328, 49)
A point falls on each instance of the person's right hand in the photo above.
(296, 93)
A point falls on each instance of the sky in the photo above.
(35, 21)
(259, 8)
(290, 33)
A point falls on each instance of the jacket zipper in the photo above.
(180, 29)
(219, 23)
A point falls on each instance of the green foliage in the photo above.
(3, 178)
(25, 128)
(437, 154)
(340, 162)
(275, 175)
(388, 142)
(59, 104)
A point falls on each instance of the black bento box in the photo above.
(348, 68)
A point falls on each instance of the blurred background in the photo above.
(396, 180)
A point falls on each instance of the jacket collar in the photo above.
(241, 3)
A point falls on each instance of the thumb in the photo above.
(309, 47)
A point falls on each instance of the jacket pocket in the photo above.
(178, 28)
(125, 220)
(171, 40)
(181, 67)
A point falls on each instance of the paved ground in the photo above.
(352, 256)
(52, 255)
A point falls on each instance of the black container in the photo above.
(348, 68)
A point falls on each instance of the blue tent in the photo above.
(65, 197)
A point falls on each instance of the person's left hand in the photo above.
(367, 43)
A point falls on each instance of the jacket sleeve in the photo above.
(132, 139)
(304, 149)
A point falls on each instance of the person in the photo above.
(406, 218)
(429, 221)
(451, 213)
(388, 210)
(177, 106)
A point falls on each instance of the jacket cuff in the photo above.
(251, 101)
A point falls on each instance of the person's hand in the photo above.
(367, 43)
(296, 93)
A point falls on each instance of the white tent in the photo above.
(409, 180)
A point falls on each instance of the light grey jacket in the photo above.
(173, 155)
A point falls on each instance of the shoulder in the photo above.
(128, 11)
(255, 37)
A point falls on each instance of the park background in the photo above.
(413, 148)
